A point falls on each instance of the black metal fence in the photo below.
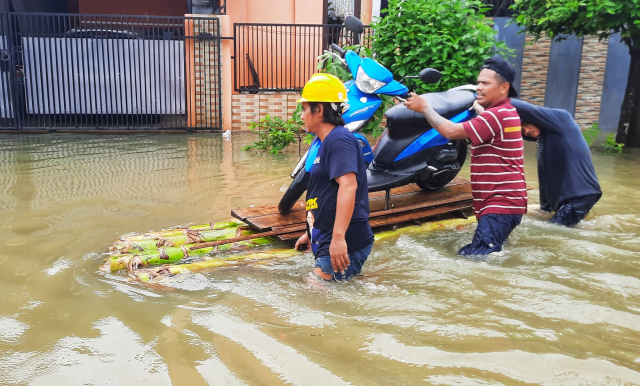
(282, 57)
(75, 71)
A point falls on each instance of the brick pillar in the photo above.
(592, 65)
(204, 92)
(534, 71)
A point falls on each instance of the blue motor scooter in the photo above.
(409, 150)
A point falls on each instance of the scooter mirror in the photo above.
(353, 24)
(430, 76)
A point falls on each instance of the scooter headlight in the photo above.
(355, 125)
(366, 83)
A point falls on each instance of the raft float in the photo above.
(152, 256)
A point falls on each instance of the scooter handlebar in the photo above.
(403, 97)
(337, 49)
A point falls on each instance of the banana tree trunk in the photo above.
(156, 274)
(226, 224)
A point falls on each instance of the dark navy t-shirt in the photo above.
(338, 155)
(565, 168)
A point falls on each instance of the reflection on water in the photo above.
(558, 306)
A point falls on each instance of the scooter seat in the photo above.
(448, 104)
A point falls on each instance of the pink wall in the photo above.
(275, 11)
(308, 11)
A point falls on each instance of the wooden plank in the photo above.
(411, 188)
(419, 214)
(402, 203)
(290, 236)
(261, 210)
(264, 210)
(398, 219)
(422, 199)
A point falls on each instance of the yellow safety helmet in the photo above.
(323, 88)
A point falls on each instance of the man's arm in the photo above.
(443, 126)
(545, 118)
(344, 210)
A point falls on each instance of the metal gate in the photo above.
(77, 71)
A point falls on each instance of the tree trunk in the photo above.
(629, 125)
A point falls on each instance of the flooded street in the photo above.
(560, 306)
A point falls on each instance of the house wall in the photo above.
(134, 7)
(56, 6)
(276, 54)
(275, 11)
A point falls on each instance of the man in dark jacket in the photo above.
(568, 182)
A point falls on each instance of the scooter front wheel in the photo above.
(294, 192)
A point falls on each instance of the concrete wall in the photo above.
(615, 80)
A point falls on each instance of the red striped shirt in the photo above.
(497, 161)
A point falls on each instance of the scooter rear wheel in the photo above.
(439, 181)
(294, 192)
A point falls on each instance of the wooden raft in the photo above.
(406, 203)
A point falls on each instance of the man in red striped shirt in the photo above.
(497, 159)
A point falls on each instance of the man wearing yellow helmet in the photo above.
(337, 199)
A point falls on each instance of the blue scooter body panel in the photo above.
(361, 105)
(374, 70)
(367, 153)
(393, 88)
(431, 138)
(312, 154)
(353, 62)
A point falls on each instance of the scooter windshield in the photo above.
(375, 70)
(353, 62)
(393, 88)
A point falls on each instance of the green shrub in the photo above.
(591, 133)
(610, 145)
(275, 134)
(452, 36)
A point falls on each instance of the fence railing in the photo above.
(282, 57)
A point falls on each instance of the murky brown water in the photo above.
(558, 307)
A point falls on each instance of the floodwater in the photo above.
(559, 306)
